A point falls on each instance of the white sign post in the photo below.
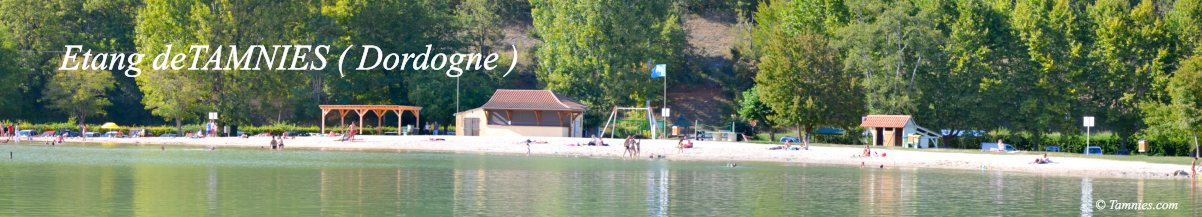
(212, 115)
(1088, 123)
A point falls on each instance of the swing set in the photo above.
(652, 124)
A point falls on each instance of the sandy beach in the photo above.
(703, 151)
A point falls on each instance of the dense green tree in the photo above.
(80, 93)
(177, 95)
(802, 80)
(597, 51)
(1055, 34)
(1134, 53)
(11, 76)
(890, 43)
(978, 40)
(39, 30)
(1185, 21)
(754, 109)
(1185, 89)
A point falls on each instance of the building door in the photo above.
(878, 137)
(471, 126)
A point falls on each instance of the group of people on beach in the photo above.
(9, 132)
(632, 147)
(789, 147)
(277, 144)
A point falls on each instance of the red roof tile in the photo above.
(532, 100)
(888, 121)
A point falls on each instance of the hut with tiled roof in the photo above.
(523, 113)
(898, 130)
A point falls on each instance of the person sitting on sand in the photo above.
(1043, 160)
(683, 144)
(596, 142)
(350, 133)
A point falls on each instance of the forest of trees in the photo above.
(1031, 67)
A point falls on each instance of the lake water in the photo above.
(92, 180)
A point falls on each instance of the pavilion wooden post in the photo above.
(379, 120)
(360, 113)
(418, 114)
(323, 120)
(342, 119)
(400, 115)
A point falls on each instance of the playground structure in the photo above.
(652, 124)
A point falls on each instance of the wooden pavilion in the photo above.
(361, 110)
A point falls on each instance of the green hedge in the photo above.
(1109, 143)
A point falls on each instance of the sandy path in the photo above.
(704, 150)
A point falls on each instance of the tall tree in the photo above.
(1185, 21)
(751, 107)
(40, 29)
(890, 43)
(802, 81)
(978, 42)
(597, 51)
(1185, 90)
(11, 77)
(1134, 54)
(177, 95)
(1056, 36)
(80, 93)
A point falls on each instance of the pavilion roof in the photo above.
(532, 100)
(369, 107)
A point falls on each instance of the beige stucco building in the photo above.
(523, 113)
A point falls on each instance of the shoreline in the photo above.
(703, 151)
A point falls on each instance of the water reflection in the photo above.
(135, 182)
(1087, 201)
(657, 189)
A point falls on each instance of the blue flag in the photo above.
(660, 70)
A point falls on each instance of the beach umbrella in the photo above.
(109, 125)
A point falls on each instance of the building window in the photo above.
(523, 118)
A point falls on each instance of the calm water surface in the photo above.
(78, 180)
